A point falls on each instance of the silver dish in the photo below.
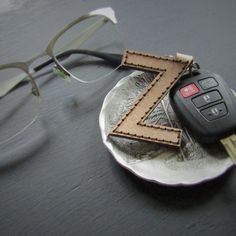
(188, 165)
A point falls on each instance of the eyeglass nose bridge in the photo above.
(61, 73)
(14, 81)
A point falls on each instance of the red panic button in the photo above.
(189, 90)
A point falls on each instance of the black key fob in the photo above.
(205, 105)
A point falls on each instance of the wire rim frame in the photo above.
(108, 16)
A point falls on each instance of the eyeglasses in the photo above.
(79, 48)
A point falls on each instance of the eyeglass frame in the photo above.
(109, 16)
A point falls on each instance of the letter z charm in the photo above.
(169, 70)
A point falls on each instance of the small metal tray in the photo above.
(191, 164)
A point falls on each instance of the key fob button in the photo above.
(215, 112)
(206, 98)
(189, 90)
(208, 83)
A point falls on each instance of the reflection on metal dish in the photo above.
(188, 165)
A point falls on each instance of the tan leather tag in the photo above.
(132, 125)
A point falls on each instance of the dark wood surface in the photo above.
(58, 178)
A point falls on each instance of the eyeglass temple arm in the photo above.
(111, 58)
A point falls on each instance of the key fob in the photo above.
(205, 105)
